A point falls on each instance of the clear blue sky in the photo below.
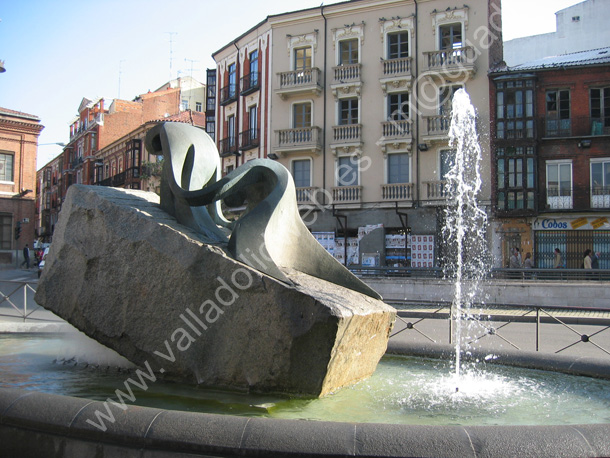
(57, 52)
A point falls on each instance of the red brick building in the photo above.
(18, 148)
(106, 145)
(551, 157)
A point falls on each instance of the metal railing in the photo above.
(493, 274)
(499, 318)
(19, 296)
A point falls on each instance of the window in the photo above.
(231, 131)
(210, 126)
(253, 75)
(600, 110)
(6, 167)
(301, 172)
(398, 168)
(6, 238)
(301, 115)
(398, 45)
(514, 110)
(600, 183)
(302, 58)
(515, 172)
(450, 36)
(198, 107)
(398, 106)
(347, 171)
(184, 105)
(348, 111)
(559, 184)
(445, 98)
(232, 80)
(558, 113)
(348, 52)
(253, 123)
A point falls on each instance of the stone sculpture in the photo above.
(271, 236)
(185, 294)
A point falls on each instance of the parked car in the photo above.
(41, 263)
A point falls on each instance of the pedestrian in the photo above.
(595, 260)
(26, 256)
(586, 261)
(529, 262)
(515, 259)
(557, 263)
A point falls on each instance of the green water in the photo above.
(402, 390)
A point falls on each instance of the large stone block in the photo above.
(127, 274)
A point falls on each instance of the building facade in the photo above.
(573, 34)
(358, 111)
(551, 158)
(106, 145)
(19, 134)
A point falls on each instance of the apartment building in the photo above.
(354, 99)
(551, 157)
(19, 134)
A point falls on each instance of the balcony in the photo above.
(397, 191)
(76, 162)
(250, 83)
(307, 196)
(347, 195)
(582, 126)
(301, 82)
(303, 139)
(228, 94)
(227, 146)
(346, 80)
(396, 130)
(436, 128)
(249, 139)
(397, 74)
(451, 64)
(348, 133)
(600, 197)
(436, 190)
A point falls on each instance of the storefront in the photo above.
(572, 235)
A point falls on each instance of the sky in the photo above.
(57, 52)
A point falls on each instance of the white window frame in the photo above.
(560, 202)
(600, 199)
(297, 159)
(386, 165)
(354, 159)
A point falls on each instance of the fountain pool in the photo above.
(403, 390)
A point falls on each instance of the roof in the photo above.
(598, 56)
(19, 114)
(194, 118)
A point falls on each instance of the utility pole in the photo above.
(120, 72)
(191, 75)
(171, 51)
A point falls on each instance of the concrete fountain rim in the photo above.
(32, 423)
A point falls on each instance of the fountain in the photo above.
(31, 422)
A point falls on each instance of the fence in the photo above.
(17, 300)
(568, 321)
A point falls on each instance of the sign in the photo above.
(572, 224)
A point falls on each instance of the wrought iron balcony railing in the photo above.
(249, 83)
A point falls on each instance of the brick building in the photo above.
(106, 144)
(18, 149)
(551, 157)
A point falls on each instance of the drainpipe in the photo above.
(324, 112)
(238, 117)
(416, 90)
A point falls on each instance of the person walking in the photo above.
(586, 261)
(557, 262)
(26, 256)
(515, 259)
(529, 261)
(595, 260)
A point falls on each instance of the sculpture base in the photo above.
(128, 275)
